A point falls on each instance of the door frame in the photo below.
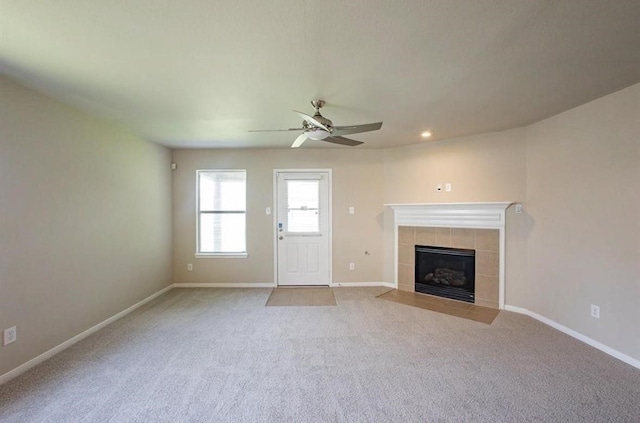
(276, 172)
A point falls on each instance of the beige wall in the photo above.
(481, 168)
(85, 221)
(357, 181)
(487, 167)
(583, 184)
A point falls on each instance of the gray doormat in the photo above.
(300, 297)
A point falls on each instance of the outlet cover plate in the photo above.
(10, 335)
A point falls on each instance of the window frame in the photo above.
(235, 254)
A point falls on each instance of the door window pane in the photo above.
(303, 198)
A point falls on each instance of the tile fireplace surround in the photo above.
(477, 226)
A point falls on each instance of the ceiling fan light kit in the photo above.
(319, 128)
(317, 134)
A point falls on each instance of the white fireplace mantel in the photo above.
(454, 215)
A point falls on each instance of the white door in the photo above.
(303, 229)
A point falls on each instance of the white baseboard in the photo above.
(66, 344)
(362, 284)
(225, 285)
(602, 347)
(272, 285)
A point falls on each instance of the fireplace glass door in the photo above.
(445, 272)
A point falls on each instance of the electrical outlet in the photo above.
(519, 208)
(447, 187)
(10, 335)
(352, 266)
(190, 267)
(595, 311)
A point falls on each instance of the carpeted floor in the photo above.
(220, 355)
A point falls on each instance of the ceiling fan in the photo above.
(319, 128)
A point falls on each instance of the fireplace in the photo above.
(477, 226)
(445, 272)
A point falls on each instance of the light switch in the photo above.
(352, 210)
(268, 210)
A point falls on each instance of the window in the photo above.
(222, 212)
(303, 198)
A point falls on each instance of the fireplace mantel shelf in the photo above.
(459, 215)
(503, 204)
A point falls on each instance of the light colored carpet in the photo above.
(220, 355)
(305, 297)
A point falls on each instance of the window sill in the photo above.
(221, 255)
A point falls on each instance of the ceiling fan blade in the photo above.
(313, 121)
(276, 130)
(356, 129)
(343, 141)
(298, 142)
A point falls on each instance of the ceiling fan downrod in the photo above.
(318, 104)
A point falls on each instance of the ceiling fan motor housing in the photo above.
(323, 120)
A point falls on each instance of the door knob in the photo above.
(280, 237)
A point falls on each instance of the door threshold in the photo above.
(302, 286)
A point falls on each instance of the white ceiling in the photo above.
(201, 73)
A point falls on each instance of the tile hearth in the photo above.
(442, 305)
